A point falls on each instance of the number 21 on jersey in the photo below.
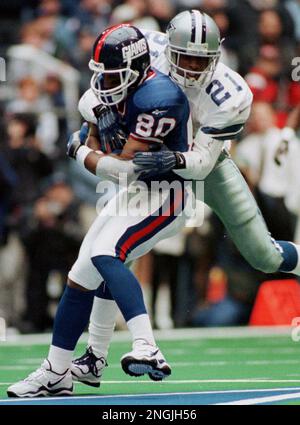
(216, 90)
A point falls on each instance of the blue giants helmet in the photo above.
(120, 62)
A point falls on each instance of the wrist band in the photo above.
(82, 153)
(180, 160)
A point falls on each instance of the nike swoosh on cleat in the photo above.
(52, 384)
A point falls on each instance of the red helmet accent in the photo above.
(101, 40)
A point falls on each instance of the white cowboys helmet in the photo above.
(191, 35)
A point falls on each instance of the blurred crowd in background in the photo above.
(47, 203)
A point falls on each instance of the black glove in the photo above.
(149, 164)
(112, 137)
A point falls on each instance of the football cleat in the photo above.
(88, 368)
(43, 382)
(146, 358)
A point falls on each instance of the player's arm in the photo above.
(223, 124)
(83, 146)
(200, 161)
(102, 165)
(194, 165)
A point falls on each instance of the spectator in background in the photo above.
(269, 83)
(135, 12)
(275, 28)
(52, 241)
(245, 17)
(81, 56)
(162, 12)
(31, 34)
(293, 7)
(57, 30)
(8, 180)
(53, 89)
(30, 99)
(228, 56)
(165, 271)
(23, 153)
(255, 155)
(9, 281)
(207, 6)
(94, 14)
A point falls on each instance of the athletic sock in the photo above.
(71, 319)
(291, 257)
(122, 284)
(102, 322)
(60, 359)
(141, 329)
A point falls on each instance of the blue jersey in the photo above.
(158, 112)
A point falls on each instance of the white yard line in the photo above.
(170, 334)
(195, 381)
(15, 400)
(260, 400)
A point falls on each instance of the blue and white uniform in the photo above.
(157, 112)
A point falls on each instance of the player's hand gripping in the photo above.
(148, 164)
(77, 139)
(112, 137)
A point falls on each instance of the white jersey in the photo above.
(218, 109)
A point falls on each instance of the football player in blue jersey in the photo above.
(220, 103)
(149, 109)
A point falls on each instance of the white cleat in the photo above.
(88, 368)
(146, 358)
(43, 382)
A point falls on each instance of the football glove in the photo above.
(112, 137)
(149, 164)
(77, 139)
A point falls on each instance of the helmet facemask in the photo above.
(111, 85)
(190, 78)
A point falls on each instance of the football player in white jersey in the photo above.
(220, 103)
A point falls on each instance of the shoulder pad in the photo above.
(87, 105)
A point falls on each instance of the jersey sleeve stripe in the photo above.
(217, 133)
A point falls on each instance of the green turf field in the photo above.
(210, 367)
